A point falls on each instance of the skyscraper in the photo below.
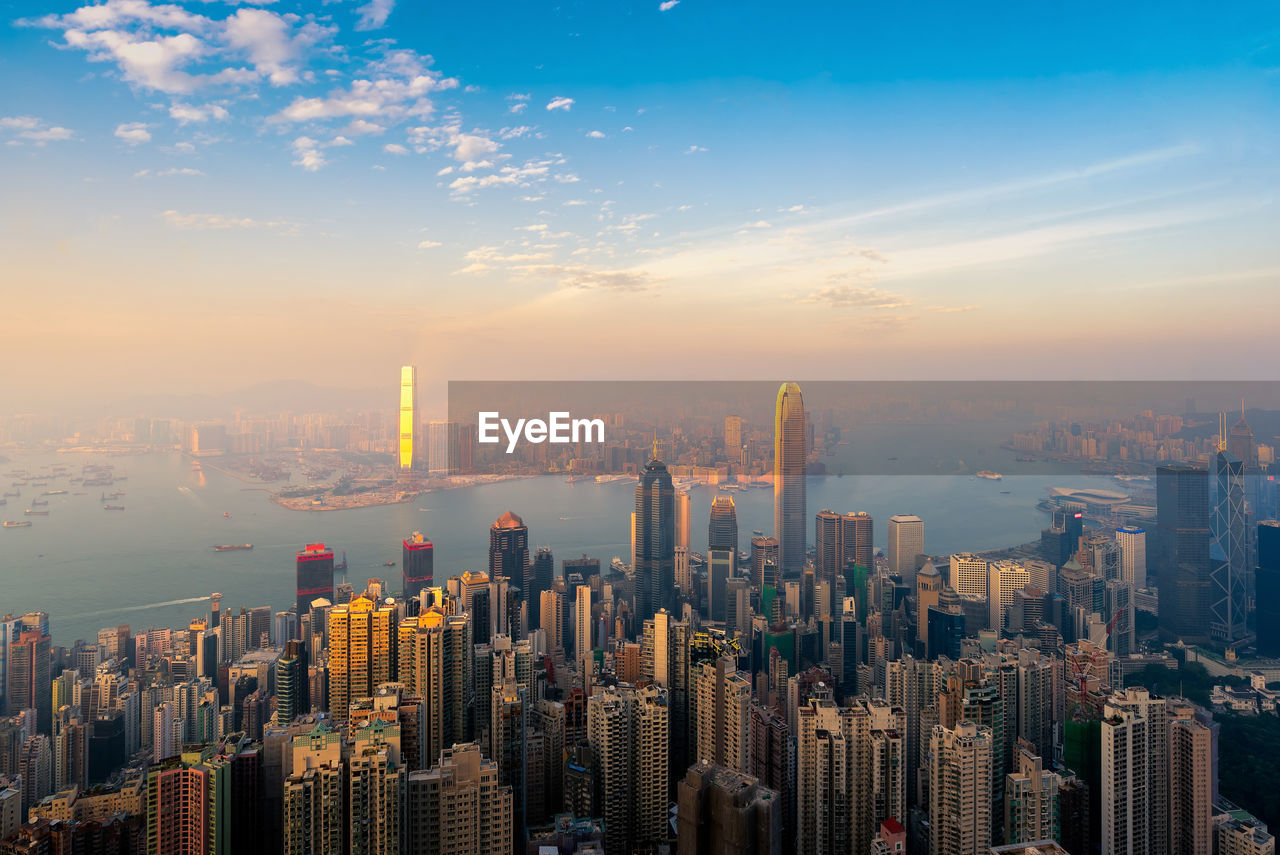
(1135, 783)
(906, 541)
(721, 810)
(408, 417)
(1004, 580)
(538, 579)
(628, 731)
(508, 548)
(1182, 551)
(361, 641)
(790, 518)
(442, 447)
(655, 540)
(733, 438)
(684, 510)
(722, 530)
(458, 806)
(1031, 809)
(960, 787)
(1229, 552)
(1268, 588)
(416, 565)
(436, 665)
(582, 629)
(315, 576)
(1133, 555)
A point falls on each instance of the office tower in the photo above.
(684, 515)
(1031, 810)
(315, 576)
(408, 417)
(1182, 551)
(969, 575)
(442, 447)
(417, 563)
(1191, 782)
(722, 530)
(291, 682)
(857, 539)
(187, 807)
(542, 572)
(764, 551)
(655, 540)
(828, 557)
(724, 811)
(720, 568)
(1004, 580)
(683, 573)
(960, 789)
(1229, 552)
(733, 438)
(790, 519)
(1244, 836)
(1132, 540)
(508, 548)
(582, 645)
(436, 665)
(361, 652)
(628, 732)
(458, 807)
(1268, 588)
(721, 701)
(945, 628)
(551, 622)
(928, 587)
(737, 607)
(1135, 784)
(906, 541)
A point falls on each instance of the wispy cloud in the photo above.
(181, 220)
(561, 103)
(32, 129)
(850, 296)
(668, 5)
(374, 14)
(134, 133)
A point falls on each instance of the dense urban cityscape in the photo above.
(803, 689)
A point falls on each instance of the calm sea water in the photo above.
(153, 565)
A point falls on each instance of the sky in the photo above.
(202, 196)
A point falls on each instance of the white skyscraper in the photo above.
(1004, 580)
(1133, 555)
(968, 575)
(582, 629)
(960, 769)
(906, 541)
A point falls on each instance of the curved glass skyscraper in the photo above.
(789, 515)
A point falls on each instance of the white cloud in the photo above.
(270, 42)
(694, 149)
(359, 127)
(595, 135)
(560, 103)
(385, 97)
(758, 224)
(184, 170)
(794, 209)
(668, 5)
(429, 244)
(518, 107)
(516, 132)
(573, 203)
(188, 113)
(373, 14)
(134, 133)
(850, 296)
(33, 129)
(445, 170)
(395, 148)
(512, 176)
(180, 220)
(308, 152)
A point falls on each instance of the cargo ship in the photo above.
(113, 507)
(232, 547)
(15, 524)
(989, 475)
(32, 513)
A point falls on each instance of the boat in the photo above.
(1005, 492)
(232, 547)
(113, 507)
(226, 515)
(388, 564)
(15, 524)
(55, 492)
(989, 475)
(1024, 458)
(32, 513)
(36, 503)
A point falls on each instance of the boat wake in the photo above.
(143, 607)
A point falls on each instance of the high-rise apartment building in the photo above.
(582, 644)
(721, 701)
(1031, 808)
(790, 452)
(906, 541)
(362, 642)
(1135, 782)
(1191, 780)
(628, 731)
(458, 807)
(960, 789)
(436, 664)
(726, 811)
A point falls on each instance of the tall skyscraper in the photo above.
(906, 541)
(1135, 783)
(722, 530)
(655, 540)
(790, 518)
(537, 579)
(315, 576)
(416, 565)
(721, 810)
(1268, 588)
(508, 548)
(733, 438)
(1191, 776)
(361, 644)
(1182, 559)
(1004, 580)
(408, 417)
(928, 588)
(1031, 809)
(1133, 555)
(442, 447)
(582, 629)
(684, 511)
(458, 806)
(436, 665)
(960, 788)
(1229, 552)
(721, 698)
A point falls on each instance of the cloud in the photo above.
(185, 114)
(386, 97)
(395, 148)
(851, 296)
(694, 149)
(518, 108)
(950, 310)
(581, 278)
(33, 129)
(308, 154)
(134, 133)
(429, 244)
(668, 5)
(270, 42)
(184, 170)
(516, 132)
(794, 209)
(560, 103)
(595, 135)
(360, 127)
(373, 15)
(180, 220)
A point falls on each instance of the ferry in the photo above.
(232, 547)
(15, 524)
(55, 492)
(989, 475)
(388, 564)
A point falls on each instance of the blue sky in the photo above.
(198, 192)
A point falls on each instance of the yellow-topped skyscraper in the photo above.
(408, 416)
